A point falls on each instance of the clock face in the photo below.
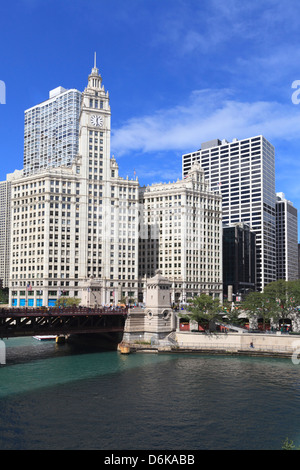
(97, 121)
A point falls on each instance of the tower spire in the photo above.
(94, 69)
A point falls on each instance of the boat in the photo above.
(45, 338)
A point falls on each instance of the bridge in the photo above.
(16, 322)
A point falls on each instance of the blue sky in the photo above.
(179, 72)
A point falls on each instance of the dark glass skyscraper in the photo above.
(239, 260)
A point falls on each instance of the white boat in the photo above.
(45, 338)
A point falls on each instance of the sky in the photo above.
(178, 72)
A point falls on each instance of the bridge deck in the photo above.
(56, 321)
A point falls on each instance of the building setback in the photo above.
(243, 172)
(286, 239)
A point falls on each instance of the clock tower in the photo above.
(108, 209)
(95, 125)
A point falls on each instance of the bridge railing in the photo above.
(64, 311)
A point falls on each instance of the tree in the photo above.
(203, 308)
(4, 296)
(261, 305)
(294, 287)
(232, 315)
(67, 302)
(286, 294)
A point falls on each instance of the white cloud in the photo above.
(208, 114)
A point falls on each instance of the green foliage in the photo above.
(203, 308)
(279, 300)
(226, 306)
(285, 293)
(3, 296)
(233, 316)
(262, 305)
(67, 302)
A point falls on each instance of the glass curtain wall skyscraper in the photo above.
(243, 172)
(51, 131)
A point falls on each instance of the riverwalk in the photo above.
(251, 344)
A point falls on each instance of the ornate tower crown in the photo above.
(95, 79)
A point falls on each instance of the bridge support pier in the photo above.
(157, 320)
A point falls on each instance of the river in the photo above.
(68, 397)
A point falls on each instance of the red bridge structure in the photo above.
(16, 322)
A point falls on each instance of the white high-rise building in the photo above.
(5, 225)
(181, 235)
(51, 131)
(75, 222)
(78, 224)
(286, 239)
(243, 171)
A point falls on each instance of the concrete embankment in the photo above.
(254, 344)
(250, 344)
